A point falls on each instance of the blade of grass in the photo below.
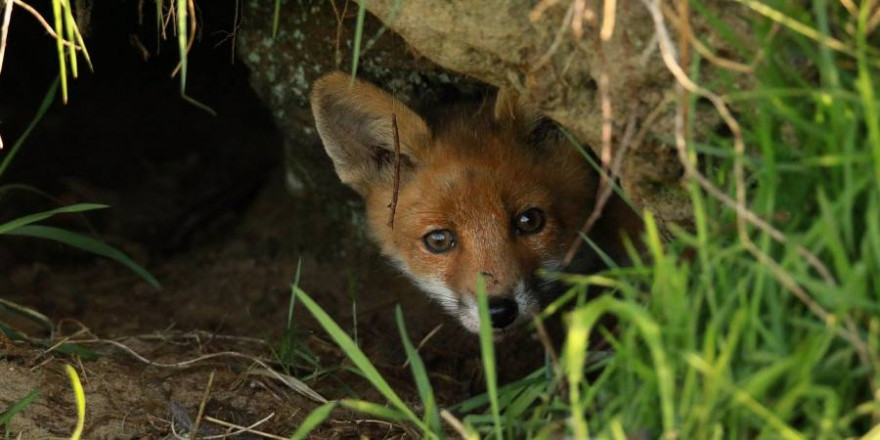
(420, 373)
(785, 431)
(17, 407)
(293, 293)
(315, 418)
(14, 224)
(576, 340)
(358, 36)
(41, 111)
(62, 62)
(487, 349)
(69, 26)
(865, 86)
(374, 409)
(587, 316)
(276, 18)
(88, 244)
(354, 353)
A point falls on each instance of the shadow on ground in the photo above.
(200, 201)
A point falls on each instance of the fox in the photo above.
(484, 188)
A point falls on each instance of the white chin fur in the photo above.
(465, 308)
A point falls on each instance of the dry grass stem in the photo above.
(797, 26)
(577, 22)
(424, 341)
(59, 343)
(242, 429)
(609, 16)
(4, 33)
(292, 382)
(702, 49)
(135, 42)
(340, 20)
(873, 22)
(202, 404)
(546, 343)
(650, 119)
(455, 424)
(557, 40)
(684, 59)
(850, 6)
(197, 335)
(610, 170)
(169, 16)
(539, 9)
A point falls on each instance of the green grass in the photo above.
(725, 345)
(15, 408)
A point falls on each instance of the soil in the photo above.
(199, 201)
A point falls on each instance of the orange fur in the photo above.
(472, 173)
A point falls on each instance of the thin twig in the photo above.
(850, 6)
(393, 205)
(557, 40)
(424, 341)
(242, 429)
(169, 16)
(340, 19)
(701, 48)
(202, 404)
(236, 24)
(545, 341)
(197, 334)
(684, 58)
(59, 343)
(137, 44)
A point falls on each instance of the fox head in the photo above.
(484, 190)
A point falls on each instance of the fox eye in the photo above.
(439, 241)
(530, 221)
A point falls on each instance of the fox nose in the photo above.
(502, 312)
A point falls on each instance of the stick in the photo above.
(393, 205)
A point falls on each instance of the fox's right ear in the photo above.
(354, 121)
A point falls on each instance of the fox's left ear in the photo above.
(515, 112)
(353, 118)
